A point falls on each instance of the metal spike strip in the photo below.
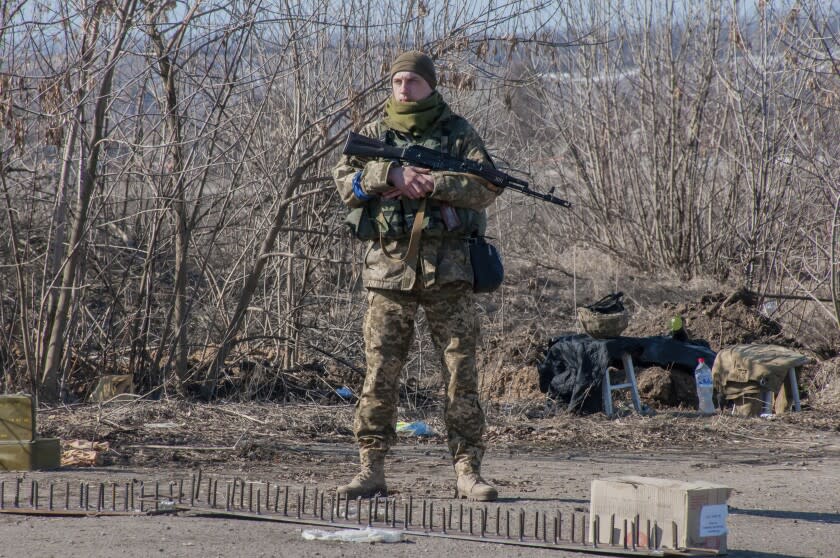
(302, 501)
(393, 512)
(630, 535)
(655, 535)
(676, 539)
(410, 508)
(198, 487)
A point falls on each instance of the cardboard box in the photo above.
(690, 514)
(17, 418)
(39, 454)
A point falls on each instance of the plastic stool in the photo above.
(767, 396)
(629, 383)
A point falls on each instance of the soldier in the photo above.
(407, 265)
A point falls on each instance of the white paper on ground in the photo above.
(368, 535)
(713, 520)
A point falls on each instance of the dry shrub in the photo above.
(823, 384)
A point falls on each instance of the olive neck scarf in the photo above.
(415, 118)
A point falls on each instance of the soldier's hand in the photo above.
(412, 182)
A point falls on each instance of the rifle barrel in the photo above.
(362, 146)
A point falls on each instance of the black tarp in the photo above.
(574, 364)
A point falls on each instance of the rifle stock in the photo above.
(362, 146)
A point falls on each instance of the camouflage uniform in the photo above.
(441, 282)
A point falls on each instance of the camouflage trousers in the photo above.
(389, 332)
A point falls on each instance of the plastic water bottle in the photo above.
(703, 379)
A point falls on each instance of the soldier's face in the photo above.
(409, 87)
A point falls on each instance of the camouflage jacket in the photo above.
(444, 254)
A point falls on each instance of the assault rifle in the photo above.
(363, 146)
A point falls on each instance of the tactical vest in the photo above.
(393, 219)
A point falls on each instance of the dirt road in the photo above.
(785, 501)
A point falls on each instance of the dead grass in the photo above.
(198, 434)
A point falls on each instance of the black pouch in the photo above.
(360, 224)
(488, 271)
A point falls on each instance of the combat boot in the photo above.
(370, 481)
(470, 484)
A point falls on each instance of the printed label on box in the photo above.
(713, 520)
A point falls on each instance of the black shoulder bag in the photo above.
(488, 271)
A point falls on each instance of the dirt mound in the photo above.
(508, 366)
(720, 319)
(661, 388)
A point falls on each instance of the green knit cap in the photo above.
(417, 62)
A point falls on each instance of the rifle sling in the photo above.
(410, 258)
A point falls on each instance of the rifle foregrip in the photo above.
(358, 145)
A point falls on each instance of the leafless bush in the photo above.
(164, 166)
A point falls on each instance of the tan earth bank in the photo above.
(784, 470)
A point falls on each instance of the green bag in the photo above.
(360, 224)
(378, 218)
